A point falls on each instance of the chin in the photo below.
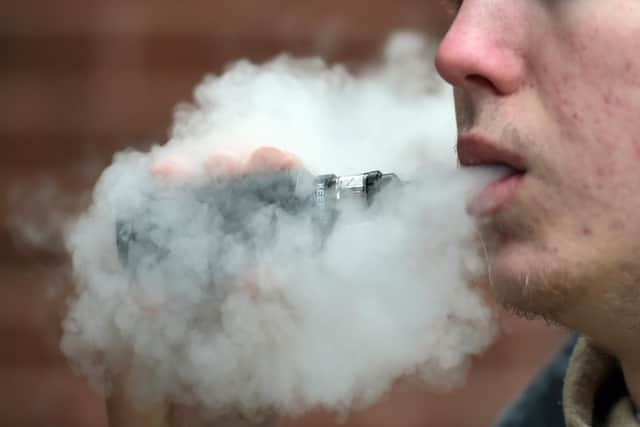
(526, 281)
(526, 266)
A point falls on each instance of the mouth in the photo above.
(475, 151)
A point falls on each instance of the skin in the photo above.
(558, 82)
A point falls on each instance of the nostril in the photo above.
(478, 80)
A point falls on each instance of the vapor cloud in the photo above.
(280, 321)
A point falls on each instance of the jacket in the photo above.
(581, 387)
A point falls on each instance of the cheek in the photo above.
(592, 100)
(591, 75)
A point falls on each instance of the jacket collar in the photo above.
(594, 393)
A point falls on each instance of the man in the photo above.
(551, 89)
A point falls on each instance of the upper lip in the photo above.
(476, 150)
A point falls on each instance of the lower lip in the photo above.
(493, 197)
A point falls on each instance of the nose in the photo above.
(483, 49)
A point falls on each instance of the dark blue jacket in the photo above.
(540, 405)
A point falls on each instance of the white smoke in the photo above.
(39, 213)
(286, 323)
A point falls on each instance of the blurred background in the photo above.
(81, 79)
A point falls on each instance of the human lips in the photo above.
(476, 151)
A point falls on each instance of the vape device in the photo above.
(231, 204)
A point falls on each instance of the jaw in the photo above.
(525, 274)
(576, 283)
(546, 257)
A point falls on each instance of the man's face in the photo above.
(552, 88)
